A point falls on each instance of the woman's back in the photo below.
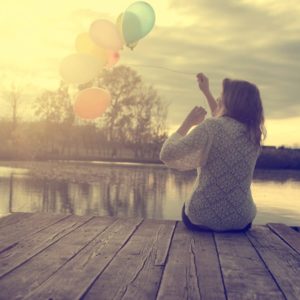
(224, 150)
(222, 197)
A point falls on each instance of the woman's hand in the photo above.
(195, 117)
(203, 83)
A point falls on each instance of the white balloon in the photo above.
(105, 34)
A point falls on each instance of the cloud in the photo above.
(255, 40)
(233, 39)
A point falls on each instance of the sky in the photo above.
(254, 40)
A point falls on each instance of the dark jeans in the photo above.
(195, 227)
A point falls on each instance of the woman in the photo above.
(224, 149)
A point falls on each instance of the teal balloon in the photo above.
(138, 21)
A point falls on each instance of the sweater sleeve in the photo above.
(190, 151)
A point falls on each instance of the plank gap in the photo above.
(267, 268)
(85, 293)
(219, 262)
(167, 258)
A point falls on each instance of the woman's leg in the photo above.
(246, 228)
(195, 227)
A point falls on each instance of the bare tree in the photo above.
(54, 109)
(13, 97)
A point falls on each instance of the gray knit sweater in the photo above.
(225, 159)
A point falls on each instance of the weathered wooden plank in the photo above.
(34, 272)
(13, 218)
(12, 234)
(282, 261)
(74, 278)
(29, 247)
(244, 273)
(208, 267)
(192, 257)
(136, 271)
(286, 233)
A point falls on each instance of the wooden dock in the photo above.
(51, 256)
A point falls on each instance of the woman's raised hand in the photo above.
(196, 116)
(203, 83)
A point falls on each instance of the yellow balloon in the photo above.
(84, 44)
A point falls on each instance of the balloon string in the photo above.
(164, 68)
(168, 69)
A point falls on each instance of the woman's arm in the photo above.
(186, 151)
(195, 117)
(203, 83)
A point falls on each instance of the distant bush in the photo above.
(279, 158)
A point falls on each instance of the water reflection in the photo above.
(149, 192)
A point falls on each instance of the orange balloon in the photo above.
(91, 103)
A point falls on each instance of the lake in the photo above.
(120, 189)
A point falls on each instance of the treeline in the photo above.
(279, 158)
(132, 127)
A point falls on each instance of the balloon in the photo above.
(138, 21)
(79, 68)
(113, 58)
(132, 45)
(84, 44)
(119, 24)
(105, 34)
(131, 28)
(91, 103)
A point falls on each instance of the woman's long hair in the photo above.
(242, 102)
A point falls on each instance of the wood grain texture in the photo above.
(75, 277)
(34, 244)
(13, 233)
(192, 270)
(136, 271)
(281, 260)
(13, 218)
(245, 275)
(207, 266)
(48, 256)
(286, 233)
(29, 276)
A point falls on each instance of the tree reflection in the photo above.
(113, 190)
(119, 191)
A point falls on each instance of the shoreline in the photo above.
(125, 162)
(90, 171)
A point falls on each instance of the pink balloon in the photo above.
(105, 34)
(112, 58)
(91, 103)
